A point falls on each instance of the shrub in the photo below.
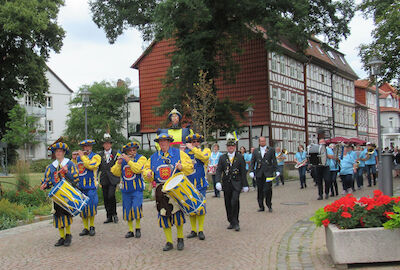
(22, 174)
(43, 210)
(7, 222)
(31, 197)
(13, 210)
(39, 166)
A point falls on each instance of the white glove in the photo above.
(251, 174)
(245, 189)
(277, 174)
(218, 186)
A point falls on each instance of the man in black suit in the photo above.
(107, 180)
(263, 166)
(231, 170)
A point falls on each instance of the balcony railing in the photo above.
(36, 111)
(390, 130)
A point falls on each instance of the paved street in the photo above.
(284, 239)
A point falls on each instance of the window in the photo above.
(284, 134)
(274, 92)
(284, 106)
(283, 65)
(391, 122)
(283, 95)
(331, 55)
(342, 59)
(49, 102)
(292, 69)
(275, 105)
(50, 126)
(28, 100)
(274, 60)
(322, 78)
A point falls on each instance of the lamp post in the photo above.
(85, 101)
(250, 111)
(375, 65)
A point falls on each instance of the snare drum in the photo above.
(69, 198)
(185, 194)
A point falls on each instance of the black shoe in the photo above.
(60, 242)
(180, 244)
(237, 227)
(301, 187)
(92, 232)
(261, 210)
(138, 233)
(270, 209)
(332, 194)
(202, 236)
(230, 227)
(108, 220)
(326, 196)
(84, 232)
(115, 219)
(305, 185)
(283, 183)
(369, 185)
(168, 246)
(192, 234)
(319, 198)
(67, 241)
(129, 234)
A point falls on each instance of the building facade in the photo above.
(366, 100)
(51, 117)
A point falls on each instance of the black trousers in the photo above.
(110, 203)
(232, 205)
(323, 174)
(264, 190)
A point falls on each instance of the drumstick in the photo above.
(176, 166)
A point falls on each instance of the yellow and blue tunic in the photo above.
(87, 167)
(198, 177)
(61, 217)
(178, 134)
(162, 165)
(132, 186)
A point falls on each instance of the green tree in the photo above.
(106, 111)
(22, 129)
(208, 34)
(29, 31)
(385, 37)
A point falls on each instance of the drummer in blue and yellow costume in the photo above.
(159, 168)
(130, 166)
(61, 168)
(198, 178)
(178, 133)
(88, 163)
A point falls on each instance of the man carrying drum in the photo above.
(198, 178)
(159, 168)
(130, 166)
(88, 163)
(61, 168)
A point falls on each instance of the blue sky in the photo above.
(86, 55)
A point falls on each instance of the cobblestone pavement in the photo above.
(265, 238)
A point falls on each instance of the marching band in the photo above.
(177, 176)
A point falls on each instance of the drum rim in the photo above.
(167, 185)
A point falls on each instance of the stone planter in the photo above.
(367, 245)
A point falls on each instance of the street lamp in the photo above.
(250, 111)
(85, 101)
(375, 65)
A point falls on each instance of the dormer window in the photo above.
(342, 59)
(319, 49)
(331, 55)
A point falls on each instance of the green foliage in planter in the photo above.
(394, 222)
(319, 216)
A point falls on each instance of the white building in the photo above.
(52, 116)
(390, 119)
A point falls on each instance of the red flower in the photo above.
(346, 215)
(388, 214)
(377, 193)
(325, 222)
